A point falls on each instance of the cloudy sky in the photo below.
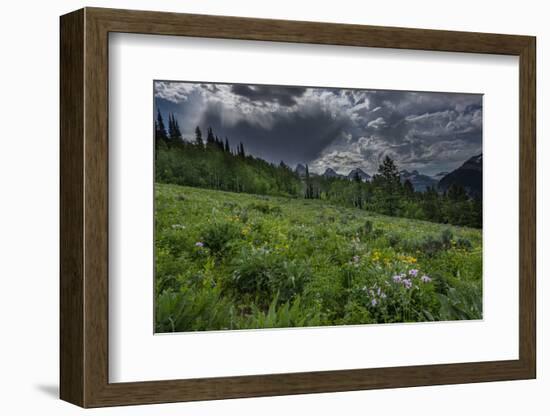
(331, 127)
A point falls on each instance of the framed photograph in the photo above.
(257, 207)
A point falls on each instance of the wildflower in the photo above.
(178, 226)
(356, 259)
(426, 279)
(413, 272)
(407, 283)
(397, 278)
(199, 244)
(373, 302)
(407, 259)
(382, 295)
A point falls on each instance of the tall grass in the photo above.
(238, 261)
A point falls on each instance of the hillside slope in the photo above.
(232, 261)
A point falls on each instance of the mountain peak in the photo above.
(469, 175)
(405, 172)
(419, 181)
(364, 176)
(474, 163)
(300, 169)
(331, 173)
(478, 158)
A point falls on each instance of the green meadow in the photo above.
(227, 260)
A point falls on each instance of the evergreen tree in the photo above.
(171, 131)
(173, 128)
(210, 140)
(358, 192)
(431, 204)
(390, 186)
(198, 137)
(309, 185)
(477, 213)
(177, 131)
(160, 129)
(408, 187)
(457, 193)
(240, 150)
(219, 143)
(388, 171)
(226, 146)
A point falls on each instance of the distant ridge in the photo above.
(419, 181)
(300, 169)
(365, 177)
(469, 175)
(331, 173)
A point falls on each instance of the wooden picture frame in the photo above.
(84, 207)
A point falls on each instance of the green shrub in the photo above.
(430, 245)
(283, 316)
(393, 240)
(366, 229)
(266, 208)
(459, 304)
(263, 274)
(464, 243)
(191, 310)
(377, 233)
(216, 236)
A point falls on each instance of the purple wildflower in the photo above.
(407, 283)
(199, 244)
(413, 272)
(397, 278)
(426, 279)
(373, 302)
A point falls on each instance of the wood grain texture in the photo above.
(527, 208)
(84, 207)
(162, 23)
(71, 185)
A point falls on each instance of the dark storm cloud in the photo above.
(338, 128)
(285, 96)
(430, 132)
(294, 136)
